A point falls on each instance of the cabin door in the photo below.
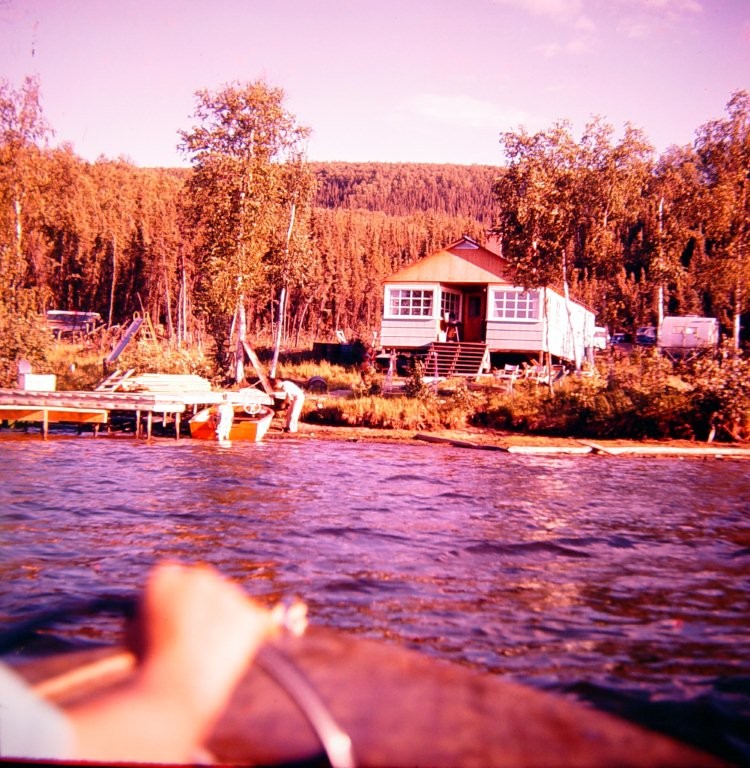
(474, 311)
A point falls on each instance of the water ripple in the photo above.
(625, 578)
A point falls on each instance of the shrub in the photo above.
(721, 396)
(24, 334)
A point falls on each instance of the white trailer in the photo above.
(681, 336)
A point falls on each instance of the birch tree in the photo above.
(238, 150)
(724, 150)
(23, 131)
(537, 216)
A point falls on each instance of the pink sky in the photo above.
(393, 80)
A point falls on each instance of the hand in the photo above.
(200, 634)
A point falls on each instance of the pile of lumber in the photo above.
(167, 383)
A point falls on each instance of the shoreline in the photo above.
(476, 438)
(508, 442)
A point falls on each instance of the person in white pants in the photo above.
(226, 419)
(296, 397)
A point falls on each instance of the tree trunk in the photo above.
(737, 317)
(279, 332)
(17, 209)
(239, 371)
(566, 293)
(114, 281)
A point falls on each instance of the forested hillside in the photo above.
(371, 219)
(401, 189)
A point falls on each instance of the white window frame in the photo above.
(450, 301)
(411, 302)
(517, 305)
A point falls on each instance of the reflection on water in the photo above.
(624, 581)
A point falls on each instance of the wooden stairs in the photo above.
(446, 359)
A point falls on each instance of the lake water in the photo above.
(625, 582)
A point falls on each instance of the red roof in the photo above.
(465, 261)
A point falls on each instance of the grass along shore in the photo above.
(636, 397)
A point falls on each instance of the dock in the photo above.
(97, 407)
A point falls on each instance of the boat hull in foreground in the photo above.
(398, 707)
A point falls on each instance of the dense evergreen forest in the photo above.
(400, 189)
(216, 250)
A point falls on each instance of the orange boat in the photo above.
(250, 423)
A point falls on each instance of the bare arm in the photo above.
(201, 634)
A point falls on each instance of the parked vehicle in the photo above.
(681, 336)
(620, 339)
(601, 337)
(645, 336)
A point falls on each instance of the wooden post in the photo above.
(45, 423)
(177, 425)
(149, 422)
(137, 424)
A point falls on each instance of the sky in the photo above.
(429, 81)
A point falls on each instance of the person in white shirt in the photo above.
(226, 419)
(296, 397)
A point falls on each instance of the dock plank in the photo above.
(74, 416)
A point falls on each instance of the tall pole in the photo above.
(282, 300)
(660, 290)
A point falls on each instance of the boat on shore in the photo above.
(250, 423)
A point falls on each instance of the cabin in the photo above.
(461, 296)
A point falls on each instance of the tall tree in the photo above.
(536, 194)
(538, 207)
(23, 130)
(238, 151)
(673, 230)
(610, 182)
(724, 150)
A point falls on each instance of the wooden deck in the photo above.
(97, 407)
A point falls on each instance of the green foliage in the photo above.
(182, 246)
(396, 412)
(22, 129)
(639, 398)
(77, 367)
(24, 334)
(401, 189)
(247, 179)
(147, 357)
(723, 147)
(337, 377)
(415, 385)
(594, 210)
(721, 396)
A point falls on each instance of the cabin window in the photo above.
(515, 305)
(410, 302)
(450, 304)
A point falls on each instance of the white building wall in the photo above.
(408, 332)
(526, 336)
